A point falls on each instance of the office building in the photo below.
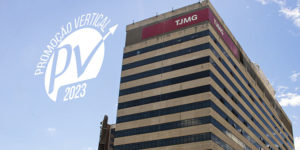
(186, 83)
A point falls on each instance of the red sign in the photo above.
(221, 31)
(175, 23)
(187, 20)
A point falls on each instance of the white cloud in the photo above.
(297, 143)
(88, 148)
(294, 77)
(282, 88)
(51, 129)
(279, 2)
(286, 97)
(289, 99)
(295, 117)
(292, 14)
(264, 2)
(294, 120)
(297, 22)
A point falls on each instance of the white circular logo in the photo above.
(75, 58)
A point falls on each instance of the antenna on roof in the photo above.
(132, 21)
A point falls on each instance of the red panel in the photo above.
(221, 31)
(187, 20)
(175, 23)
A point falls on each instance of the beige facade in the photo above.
(193, 94)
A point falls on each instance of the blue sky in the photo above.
(268, 30)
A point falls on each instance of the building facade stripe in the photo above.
(175, 141)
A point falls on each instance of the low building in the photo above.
(107, 133)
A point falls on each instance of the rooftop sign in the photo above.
(187, 20)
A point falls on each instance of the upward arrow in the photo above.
(111, 31)
(82, 66)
